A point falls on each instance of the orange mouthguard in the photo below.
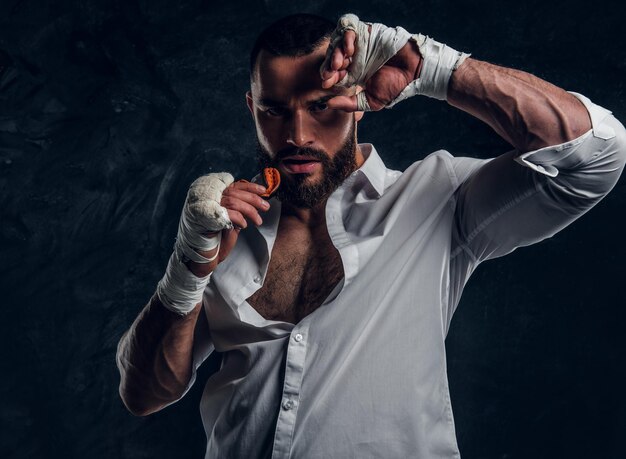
(271, 177)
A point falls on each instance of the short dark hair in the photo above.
(295, 35)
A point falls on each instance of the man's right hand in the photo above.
(243, 202)
(214, 206)
(155, 356)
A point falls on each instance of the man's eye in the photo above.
(320, 107)
(274, 111)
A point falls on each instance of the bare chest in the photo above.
(302, 273)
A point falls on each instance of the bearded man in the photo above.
(330, 302)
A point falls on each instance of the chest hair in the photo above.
(303, 270)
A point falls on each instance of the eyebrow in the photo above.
(269, 102)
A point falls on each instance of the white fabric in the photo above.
(203, 213)
(374, 48)
(180, 290)
(439, 61)
(364, 376)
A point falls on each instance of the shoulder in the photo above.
(441, 165)
(438, 166)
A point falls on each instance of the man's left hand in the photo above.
(379, 88)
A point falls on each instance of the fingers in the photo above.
(248, 186)
(345, 103)
(229, 239)
(328, 79)
(349, 38)
(337, 59)
(243, 204)
(237, 218)
(329, 73)
(340, 59)
(333, 79)
(342, 55)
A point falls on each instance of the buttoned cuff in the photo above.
(549, 160)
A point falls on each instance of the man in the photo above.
(331, 302)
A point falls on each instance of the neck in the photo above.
(311, 217)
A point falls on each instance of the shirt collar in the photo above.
(373, 168)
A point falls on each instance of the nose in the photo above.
(300, 130)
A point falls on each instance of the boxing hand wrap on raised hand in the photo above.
(439, 61)
(180, 290)
(373, 48)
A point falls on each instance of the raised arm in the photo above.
(390, 65)
(568, 152)
(573, 150)
(526, 111)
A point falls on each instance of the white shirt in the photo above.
(364, 375)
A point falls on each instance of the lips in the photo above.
(300, 164)
(300, 158)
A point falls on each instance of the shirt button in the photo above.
(298, 337)
(257, 279)
(288, 405)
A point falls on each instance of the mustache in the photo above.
(291, 151)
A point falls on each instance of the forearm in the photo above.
(525, 110)
(155, 358)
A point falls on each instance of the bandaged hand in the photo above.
(388, 64)
(215, 210)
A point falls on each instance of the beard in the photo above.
(294, 188)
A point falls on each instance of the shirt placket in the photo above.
(337, 232)
(298, 340)
(294, 370)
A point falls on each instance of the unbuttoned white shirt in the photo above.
(364, 375)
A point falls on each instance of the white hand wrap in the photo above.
(374, 48)
(180, 290)
(439, 61)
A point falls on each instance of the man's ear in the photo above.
(250, 102)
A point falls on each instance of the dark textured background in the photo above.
(109, 109)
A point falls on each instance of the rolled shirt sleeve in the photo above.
(501, 206)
